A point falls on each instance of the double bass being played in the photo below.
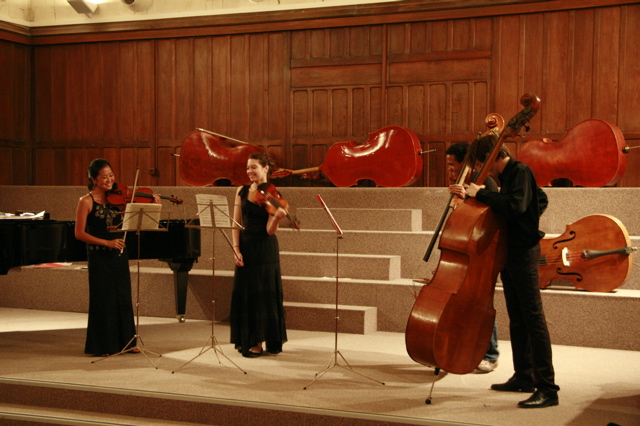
(520, 203)
(452, 319)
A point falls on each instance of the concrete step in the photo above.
(349, 219)
(410, 246)
(322, 317)
(575, 318)
(356, 266)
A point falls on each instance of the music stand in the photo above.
(334, 360)
(139, 217)
(214, 214)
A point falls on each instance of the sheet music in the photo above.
(220, 210)
(146, 215)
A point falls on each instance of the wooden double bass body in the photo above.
(207, 157)
(594, 253)
(453, 316)
(573, 156)
(390, 157)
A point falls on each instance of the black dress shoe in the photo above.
(539, 399)
(514, 385)
(251, 354)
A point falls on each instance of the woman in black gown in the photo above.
(257, 311)
(110, 326)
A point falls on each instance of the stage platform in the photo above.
(46, 379)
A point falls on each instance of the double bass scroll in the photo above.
(495, 125)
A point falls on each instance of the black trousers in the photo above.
(530, 341)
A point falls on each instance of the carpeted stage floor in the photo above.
(44, 349)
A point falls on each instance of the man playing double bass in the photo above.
(520, 202)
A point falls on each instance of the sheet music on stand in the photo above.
(141, 217)
(220, 210)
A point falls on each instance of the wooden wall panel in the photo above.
(93, 118)
(277, 102)
(111, 76)
(15, 104)
(145, 92)
(75, 114)
(6, 165)
(628, 116)
(298, 91)
(320, 116)
(126, 90)
(607, 64)
(165, 90)
(220, 115)
(239, 119)
(184, 88)
(581, 68)
(257, 82)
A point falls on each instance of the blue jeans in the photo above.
(493, 353)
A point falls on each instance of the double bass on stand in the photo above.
(452, 319)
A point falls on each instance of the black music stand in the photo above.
(213, 215)
(139, 217)
(334, 360)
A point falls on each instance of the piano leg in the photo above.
(181, 281)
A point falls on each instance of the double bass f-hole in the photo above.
(556, 244)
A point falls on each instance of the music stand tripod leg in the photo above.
(215, 346)
(334, 362)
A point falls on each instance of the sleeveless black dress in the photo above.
(111, 326)
(257, 311)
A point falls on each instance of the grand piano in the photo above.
(31, 242)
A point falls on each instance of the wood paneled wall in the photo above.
(295, 92)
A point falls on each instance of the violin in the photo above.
(391, 157)
(207, 157)
(593, 252)
(120, 196)
(572, 156)
(452, 319)
(268, 196)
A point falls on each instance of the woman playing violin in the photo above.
(110, 326)
(257, 311)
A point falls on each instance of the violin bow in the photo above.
(221, 136)
(133, 199)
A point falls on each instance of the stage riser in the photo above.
(566, 205)
(387, 220)
(350, 266)
(575, 317)
(131, 407)
(410, 246)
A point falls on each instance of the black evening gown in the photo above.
(257, 311)
(111, 325)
